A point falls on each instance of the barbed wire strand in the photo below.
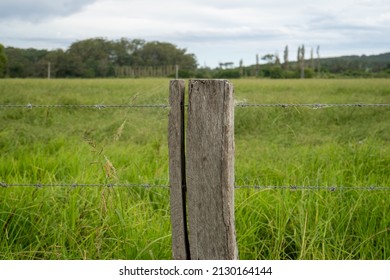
(83, 106)
(327, 188)
(146, 185)
(314, 106)
(167, 106)
(76, 185)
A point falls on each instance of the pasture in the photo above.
(343, 147)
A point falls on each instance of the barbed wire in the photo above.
(167, 106)
(314, 106)
(147, 185)
(326, 188)
(78, 185)
(83, 106)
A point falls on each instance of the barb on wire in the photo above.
(314, 106)
(92, 106)
(327, 188)
(75, 185)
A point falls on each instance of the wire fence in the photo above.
(314, 106)
(167, 106)
(326, 188)
(78, 185)
(167, 186)
(82, 106)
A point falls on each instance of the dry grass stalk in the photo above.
(119, 131)
(109, 169)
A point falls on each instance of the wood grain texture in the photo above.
(180, 246)
(210, 170)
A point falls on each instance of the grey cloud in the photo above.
(332, 23)
(228, 35)
(44, 41)
(39, 9)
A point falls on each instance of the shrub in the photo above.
(227, 74)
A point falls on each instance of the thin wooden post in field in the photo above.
(48, 70)
(177, 177)
(177, 71)
(210, 170)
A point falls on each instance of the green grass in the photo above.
(274, 146)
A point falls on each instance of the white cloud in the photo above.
(215, 30)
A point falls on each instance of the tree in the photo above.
(164, 54)
(318, 60)
(3, 61)
(285, 57)
(312, 59)
(124, 52)
(301, 60)
(59, 63)
(97, 57)
(270, 58)
(91, 58)
(21, 62)
(257, 66)
(299, 55)
(277, 60)
(276, 72)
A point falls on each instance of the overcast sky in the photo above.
(214, 30)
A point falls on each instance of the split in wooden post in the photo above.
(177, 177)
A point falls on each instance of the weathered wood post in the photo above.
(202, 179)
(177, 176)
(210, 170)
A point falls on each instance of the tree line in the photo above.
(93, 58)
(310, 65)
(99, 57)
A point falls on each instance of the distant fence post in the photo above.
(209, 172)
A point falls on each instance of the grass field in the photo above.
(274, 146)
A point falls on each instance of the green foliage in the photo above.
(26, 62)
(276, 72)
(374, 66)
(309, 73)
(97, 57)
(3, 61)
(203, 73)
(274, 146)
(90, 58)
(227, 74)
(160, 53)
(183, 74)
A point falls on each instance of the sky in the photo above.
(214, 30)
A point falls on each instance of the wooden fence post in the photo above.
(177, 177)
(210, 170)
(201, 171)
